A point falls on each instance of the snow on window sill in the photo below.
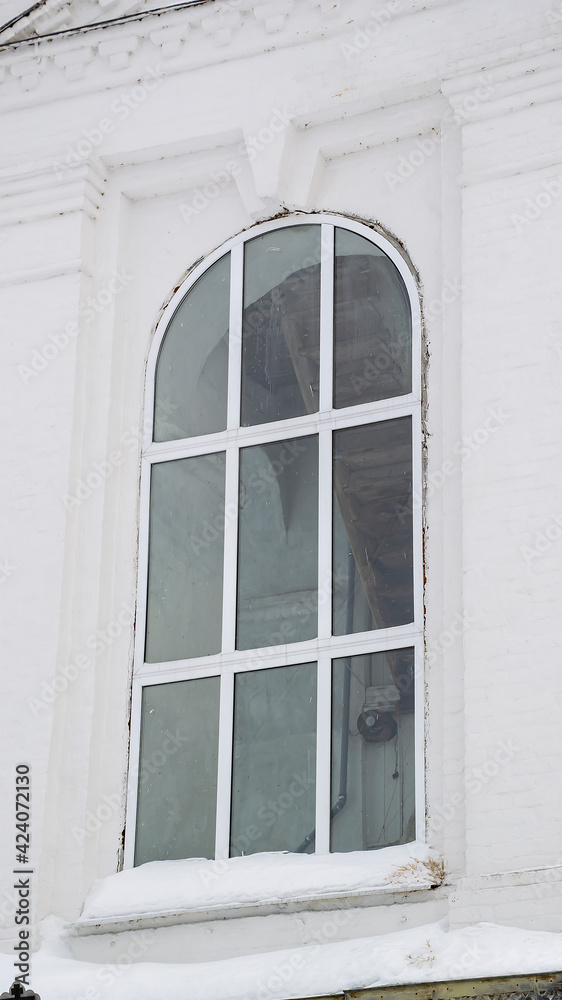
(167, 892)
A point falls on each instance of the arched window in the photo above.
(279, 639)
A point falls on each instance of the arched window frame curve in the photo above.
(230, 661)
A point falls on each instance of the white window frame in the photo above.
(324, 648)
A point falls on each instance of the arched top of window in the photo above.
(287, 319)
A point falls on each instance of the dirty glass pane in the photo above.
(281, 325)
(372, 527)
(191, 373)
(278, 543)
(177, 785)
(372, 324)
(186, 554)
(274, 763)
(373, 751)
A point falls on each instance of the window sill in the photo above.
(163, 893)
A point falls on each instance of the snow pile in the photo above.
(421, 954)
(414, 955)
(164, 887)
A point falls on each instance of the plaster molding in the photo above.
(517, 78)
(286, 172)
(27, 276)
(194, 34)
(38, 192)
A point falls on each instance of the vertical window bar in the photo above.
(324, 695)
(230, 550)
(325, 439)
(419, 726)
(224, 769)
(417, 518)
(323, 740)
(326, 318)
(235, 336)
(142, 589)
(325, 534)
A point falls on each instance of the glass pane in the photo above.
(373, 555)
(281, 325)
(186, 554)
(373, 751)
(178, 771)
(372, 324)
(274, 765)
(191, 372)
(278, 543)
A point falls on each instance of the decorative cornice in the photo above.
(187, 35)
(515, 78)
(50, 16)
(192, 34)
(38, 191)
(198, 33)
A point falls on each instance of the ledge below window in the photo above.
(162, 893)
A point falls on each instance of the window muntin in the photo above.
(370, 631)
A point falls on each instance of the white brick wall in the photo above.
(370, 135)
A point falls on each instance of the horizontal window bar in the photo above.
(261, 434)
(362, 642)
